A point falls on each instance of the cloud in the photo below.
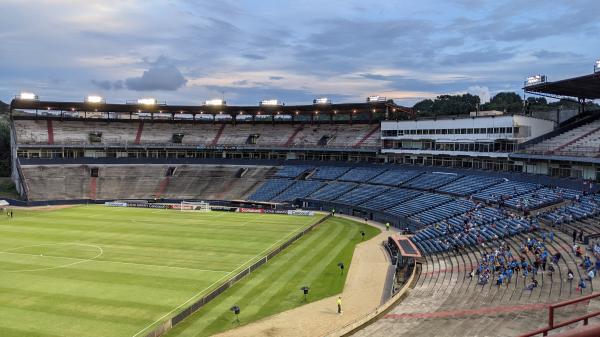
(482, 92)
(254, 56)
(276, 78)
(106, 85)
(158, 77)
(477, 56)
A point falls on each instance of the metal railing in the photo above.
(587, 151)
(552, 325)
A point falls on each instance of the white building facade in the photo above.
(470, 142)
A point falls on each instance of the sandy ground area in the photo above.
(362, 294)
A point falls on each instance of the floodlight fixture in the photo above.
(147, 101)
(535, 79)
(215, 102)
(375, 99)
(270, 102)
(321, 100)
(597, 66)
(27, 96)
(94, 99)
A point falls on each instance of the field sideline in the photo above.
(97, 271)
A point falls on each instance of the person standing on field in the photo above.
(339, 305)
(387, 226)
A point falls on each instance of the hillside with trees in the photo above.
(509, 102)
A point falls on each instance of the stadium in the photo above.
(151, 219)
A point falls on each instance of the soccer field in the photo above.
(98, 271)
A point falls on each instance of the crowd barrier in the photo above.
(171, 322)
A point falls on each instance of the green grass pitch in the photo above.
(275, 287)
(99, 271)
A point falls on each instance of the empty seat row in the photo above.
(270, 189)
(418, 204)
(394, 177)
(429, 181)
(361, 194)
(332, 190)
(390, 198)
(292, 171)
(361, 174)
(469, 184)
(329, 172)
(505, 190)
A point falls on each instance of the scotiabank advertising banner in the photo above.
(251, 210)
(276, 211)
(115, 204)
(223, 208)
(300, 212)
(159, 206)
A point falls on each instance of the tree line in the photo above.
(509, 102)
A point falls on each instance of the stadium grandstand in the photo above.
(497, 215)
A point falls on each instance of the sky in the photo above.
(187, 51)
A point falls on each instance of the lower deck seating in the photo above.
(419, 204)
(429, 181)
(59, 182)
(332, 190)
(505, 190)
(270, 189)
(361, 194)
(299, 189)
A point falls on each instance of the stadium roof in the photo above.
(582, 87)
(308, 109)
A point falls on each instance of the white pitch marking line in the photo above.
(56, 267)
(116, 262)
(216, 282)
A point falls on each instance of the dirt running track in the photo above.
(362, 293)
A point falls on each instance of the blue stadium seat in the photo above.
(390, 198)
(298, 189)
(270, 189)
(292, 171)
(394, 177)
(361, 174)
(332, 190)
(468, 185)
(361, 194)
(430, 181)
(329, 172)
